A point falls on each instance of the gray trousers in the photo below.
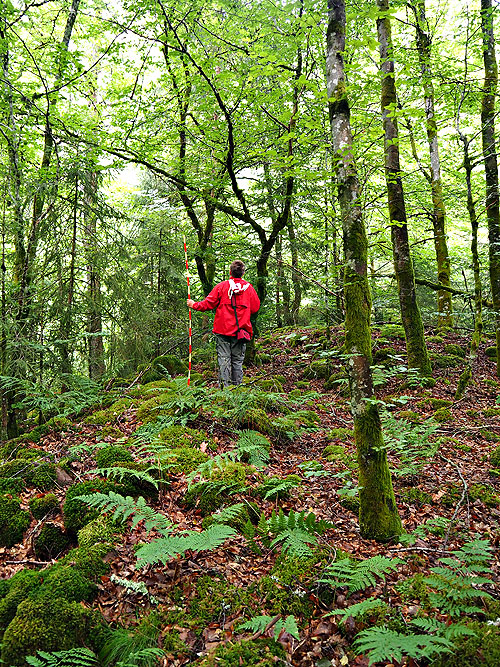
(230, 356)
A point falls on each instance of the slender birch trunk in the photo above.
(490, 159)
(403, 266)
(378, 518)
(424, 43)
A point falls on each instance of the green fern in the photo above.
(294, 532)
(409, 442)
(313, 469)
(358, 576)
(205, 470)
(456, 587)
(75, 657)
(448, 631)
(359, 609)
(229, 514)
(120, 473)
(384, 645)
(275, 487)
(124, 508)
(167, 548)
(143, 657)
(253, 448)
(260, 623)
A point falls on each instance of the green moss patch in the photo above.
(183, 436)
(13, 521)
(50, 542)
(76, 513)
(183, 460)
(259, 653)
(107, 456)
(455, 350)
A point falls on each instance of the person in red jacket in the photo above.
(234, 300)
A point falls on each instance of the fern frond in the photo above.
(253, 448)
(166, 548)
(358, 576)
(119, 472)
(75, 657)
(231, 513)
(205, 470)
(125, 507)
(260, 623)
(383, 645)
(140, 657)
(295, 542)
(359, 609)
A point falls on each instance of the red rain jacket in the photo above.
(247, 303)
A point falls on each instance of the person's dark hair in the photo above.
(237, 268)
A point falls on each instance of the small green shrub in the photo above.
(50, 542)
(13, 521)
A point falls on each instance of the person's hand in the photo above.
(190, 303)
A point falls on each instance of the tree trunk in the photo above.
(424, 42)
(490, 160)
(97, 366)
(403, 266)
(296, 282)
(378, 517)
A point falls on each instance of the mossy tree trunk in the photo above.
(379, 518)
(424, 44)
(490, 159)
(403, 266)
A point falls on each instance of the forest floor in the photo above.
(446, 487)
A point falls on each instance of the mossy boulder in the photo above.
(442, 415)
(258, 653)
(392, 331)
(318, 369)
(270, 384)
(88, 560)
(107, 456)
(339, 382)
(334, 453)
(256, 419)
(13, 521)
(161, 367)
(46, 624)
(410, 416)
(215, 599)
(183, 460)
(183, 436)
(454, 349)
(383, 354)
(489, 435)
(445, 360)
(495, 457)
(101, 530)
(486, 494)
(150, 410)
(44, 505)
(343, 434)
(15, 590)
(491, 352)
(214, 493)
(50, 542)
(41, 475)
(480, 650)
(64, 581)
(77, 513)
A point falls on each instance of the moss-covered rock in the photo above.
(101, 530)
(64, 581)
(46, 624)
(43, 506)
(50, 542)
(392, 331)
(442, 415)
(383, 354)
(318, 369)
(489, 435)
(215, 599)
(41, 475)
(491, 412)
(183, 460)
(445, 360)
(213, 493)
(486, 494)
(480, 650)
(343, 434)
(434, 403)
(107, 456)
(150, 410)
(13, 521)
(270, 384)
(410, 416)
(495, 457)
(334, 453)
(183, 436)
(15, 590)
(454, 349)
(258, 653)
(76, 513)
(88, 560)
(491, 352)
(256, 419)
(44, 476)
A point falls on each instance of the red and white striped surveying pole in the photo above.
(190, 320)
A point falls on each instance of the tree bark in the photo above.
(378, 517)
(490, 160)
(424, 43)
(293, 317)
(403, 266)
